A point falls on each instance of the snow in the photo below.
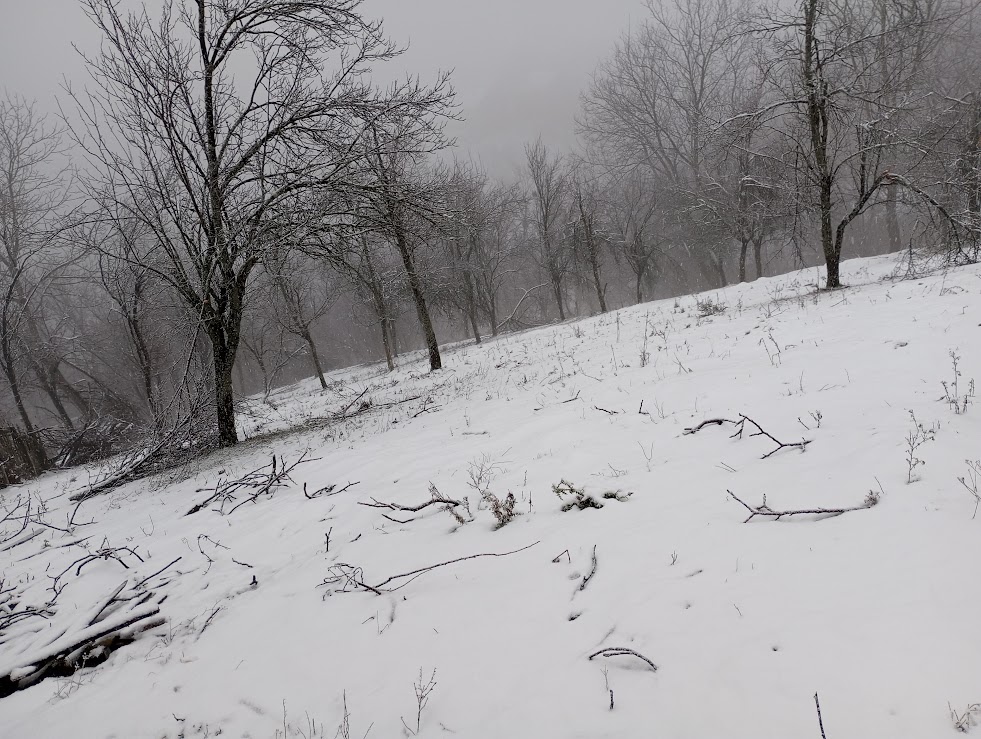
(876, 610)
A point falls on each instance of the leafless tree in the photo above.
(33, 190)
(403, 198)
(655, 103)
(549, 190)
(587, 214)
(838, 69)
(304, 294)
(636, 223)
(204, 151)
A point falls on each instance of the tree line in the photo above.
(230, 199)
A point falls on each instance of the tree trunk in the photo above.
(639, 287)
(833, 262)
(593, 259)
(11, 374)
(316, 358)
(492, 314)
(832, 255)
(720, 270)
(224, 363)
(557, 292)
(758, 256)
(472, 315)
(892, 218)
(419, 298)
(393, 333)
(743, 250)
(387, 344)
(51, 390)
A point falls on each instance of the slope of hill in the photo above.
(286, 611)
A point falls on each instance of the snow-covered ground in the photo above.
(876, 610)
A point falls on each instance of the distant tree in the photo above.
(32, 192)
(549, 190)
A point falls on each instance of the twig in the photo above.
(587, 578)
(422, 570)
(349, 576)
(208, 622)
(703, 424)
(817, 705)
(622, 651)
(343, 413)
(375, 503)
(327, 490)
(527, 292)
(802, 445)
(157, 572)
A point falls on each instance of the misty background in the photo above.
(518, 65)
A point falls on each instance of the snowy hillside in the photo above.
(281, 611)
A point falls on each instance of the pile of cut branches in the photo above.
(232, 494)
(35, 647)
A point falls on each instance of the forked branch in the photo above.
(767, 512)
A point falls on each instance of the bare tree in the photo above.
(635, 218)
(32, 192)
(587, 206)
(305, 294)
(203, 152)
(655, 103)
(549, 185)
(837, 67)
(403, 198)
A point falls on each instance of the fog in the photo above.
(518, 65)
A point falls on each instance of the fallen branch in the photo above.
(592, 572)
(158, 572)
(817, 705)
(437, 498)
(620, 652)
(351, 577)
(521, 300)
(343, 413)
(703, 424)
(327, 490)
(741, 427)
(802, 445)
(113, 621)
(766, 511)
(264, 480)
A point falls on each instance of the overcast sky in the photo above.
(519, 65)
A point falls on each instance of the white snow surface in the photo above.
(876, 610)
